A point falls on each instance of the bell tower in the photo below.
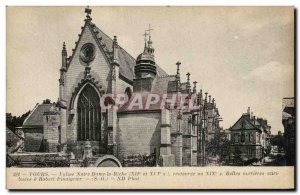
(145, 68)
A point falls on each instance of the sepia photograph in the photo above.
(130, 88)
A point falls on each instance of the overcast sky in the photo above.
(243, 57)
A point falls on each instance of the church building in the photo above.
(87, 120)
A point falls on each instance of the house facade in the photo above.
(249, 137)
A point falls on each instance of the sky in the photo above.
(242, 56)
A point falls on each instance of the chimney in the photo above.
(248, 110)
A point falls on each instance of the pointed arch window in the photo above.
(88, 115)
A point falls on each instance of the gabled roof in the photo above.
(11, 136)
(126, 61)
(290, 110)
(35, 118)
(246, 122)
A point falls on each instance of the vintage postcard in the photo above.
(150, 98)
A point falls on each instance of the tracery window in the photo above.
(88, 115)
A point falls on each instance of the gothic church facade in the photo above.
(99, 66)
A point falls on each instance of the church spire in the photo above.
(200, 97)
(64, 56)
(177, 71)
(195, 86)
(115, 50)
(145, 63)
(188, 82)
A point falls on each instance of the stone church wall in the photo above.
(187, 150)
(52, 131)
(122, 85)
(100, 70)
(176, 137)
(33, 139)
(138, 133)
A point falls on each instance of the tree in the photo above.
(46, 101)
(219, 147)
(15, 121)
(278, 140)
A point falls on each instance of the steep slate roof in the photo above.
(126, 61)
(144, 96)
(12, 140)
(248, 124)
(162, 85)
(35, 118)
(11, 136)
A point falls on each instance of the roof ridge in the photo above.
(35, 107)
(112, 40)
(124, 49)
(249, 120)
(163, 76)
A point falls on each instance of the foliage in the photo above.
(278, 140)
(279, 160)
(10, 162)
(85, 162)
(47, 101)
(218, 147)
(140, 161)
(237, 158)
(15, 121)
(45, 161)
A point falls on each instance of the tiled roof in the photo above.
(35, 118)
(126, 61)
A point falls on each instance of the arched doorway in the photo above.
(88, 115)
(108, 161)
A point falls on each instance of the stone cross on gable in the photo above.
(188, 77)
(88, 11)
